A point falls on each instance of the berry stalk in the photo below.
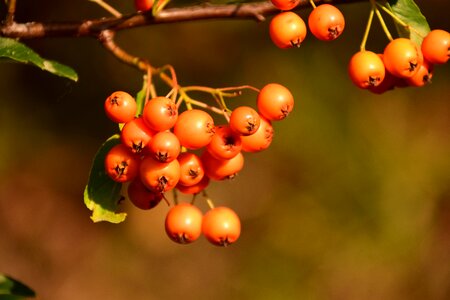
(366, 32)
(381, 20)
(108, 8)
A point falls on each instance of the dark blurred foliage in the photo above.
(352, 201)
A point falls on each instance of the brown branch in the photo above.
(255, 11)
(106, 38)
(104, 29)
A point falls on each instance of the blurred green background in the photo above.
(351, 201)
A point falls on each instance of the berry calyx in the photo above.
(244, 120)
(120, 164)
(275, 102)
(287, 30)
(160, 113)
(136, 135)
(164, 146)
(423, 75)
(120, 107)
(221, 226)
(261, 139)
(191, 169)
(326, 22)
(366, 69)
(225, 143)
(158, 176)
(183, 223)
(402, 57)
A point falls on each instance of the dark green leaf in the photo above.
(13, 289)
(17, 51)
(409, 12)
(102, 194)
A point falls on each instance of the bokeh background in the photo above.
(351, 201)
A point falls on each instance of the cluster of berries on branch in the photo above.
(165, 148)
(161, 150)
(288, 30)
(403, 63)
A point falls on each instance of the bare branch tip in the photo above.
(260, 17)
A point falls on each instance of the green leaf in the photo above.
(17, 51)
(409, 12)
(102, 194)
(13, 289)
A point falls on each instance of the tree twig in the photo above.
(104, 29)
(106, 38)
(251, 11)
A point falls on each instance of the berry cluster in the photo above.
(287, 29)
(403, 63)
(162, 150)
